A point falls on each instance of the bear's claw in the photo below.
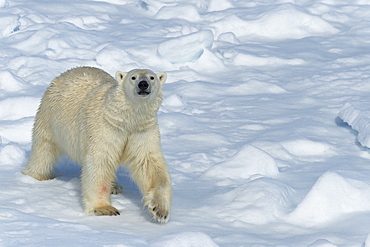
(160, 216)
(107, 210)
(116, 189)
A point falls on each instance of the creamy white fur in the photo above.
(101, 123)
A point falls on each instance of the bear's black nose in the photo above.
(143, 85)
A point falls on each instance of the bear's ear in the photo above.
(162, 77)
(120, 76)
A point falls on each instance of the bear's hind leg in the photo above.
(44, 155)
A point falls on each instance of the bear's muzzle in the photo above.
(143, 87)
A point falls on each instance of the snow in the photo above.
(185, 239)
(265, 122)
(248, 162)
(357, 115)
(284, 21)
(330, 197)
(186, 48)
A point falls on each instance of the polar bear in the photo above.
(101, 123)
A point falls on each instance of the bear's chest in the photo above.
(130, 121)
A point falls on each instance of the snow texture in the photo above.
(265, 122)
(357, 115)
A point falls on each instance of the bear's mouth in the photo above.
(143, 93)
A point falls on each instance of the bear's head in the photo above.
(141, 83)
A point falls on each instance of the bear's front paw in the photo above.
(107, 210)
(160, 212)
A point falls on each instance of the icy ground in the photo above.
(254, 120)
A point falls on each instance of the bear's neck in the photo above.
(129, 115)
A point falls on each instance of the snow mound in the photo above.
(173, 103)
(11, 155)
(250, 60)
(186, 48)
(3, 3)
(322, 243)
(255, 87)
(9, 82)
(305, 148)
(332, 197)
(249, 162)
(33, 42)
(257, 202)
(218, 5)
(8, 24)
(357, 115)
(18, 107)
(17, 131)
(115, 58)
(185, 239)
(208, 62)
(228, 37)
(186, 12)
(284, 22)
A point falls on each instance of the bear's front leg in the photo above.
(154, 182)
(146, 163)
(97, 181)
(158, 200)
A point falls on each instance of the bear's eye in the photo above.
(151, 78)
(133, 78)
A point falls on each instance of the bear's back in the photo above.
(88, 77)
